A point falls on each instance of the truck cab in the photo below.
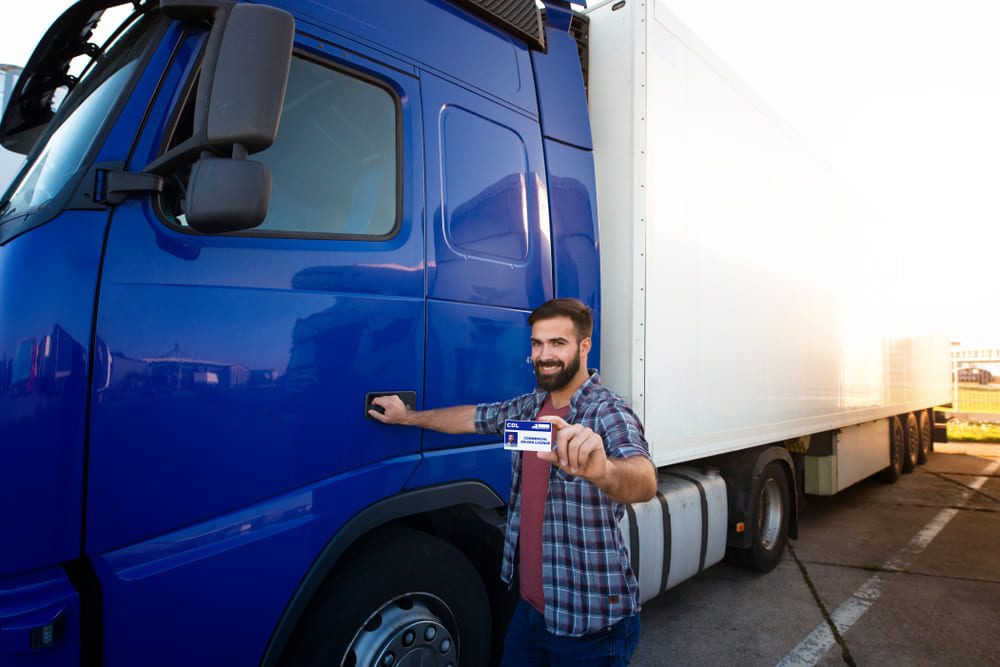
(239, 224)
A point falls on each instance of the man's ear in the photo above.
(585, 346)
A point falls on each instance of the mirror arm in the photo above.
(180, 155)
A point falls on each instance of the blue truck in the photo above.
(242, 221)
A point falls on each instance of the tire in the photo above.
(926, 436)
(912, 436)
(897, 445)
(406, 593)
(769, 521)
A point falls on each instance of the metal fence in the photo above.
(976, 381)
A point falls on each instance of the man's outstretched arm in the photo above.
(455, 419)
(580, 452)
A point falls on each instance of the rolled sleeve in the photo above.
(487, 420)
(490, 417)
(623, 434)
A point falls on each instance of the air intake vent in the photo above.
(579, 29)
(520, 18)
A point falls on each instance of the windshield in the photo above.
(62, 151)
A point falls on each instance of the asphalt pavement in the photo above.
(881, 574)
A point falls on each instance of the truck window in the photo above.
(334, 165)
(76, 125)
(485, 187)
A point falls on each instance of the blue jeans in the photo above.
(529, 643)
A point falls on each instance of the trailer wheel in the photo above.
(912, 443)
(926, 436)
(897, 446)
(408, 598)
(769, 523)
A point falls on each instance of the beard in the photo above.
(560, 379)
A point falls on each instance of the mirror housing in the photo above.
(226, 195)
(243, 79)
(237, 109)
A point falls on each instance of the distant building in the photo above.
(9, 162)
(980, 365)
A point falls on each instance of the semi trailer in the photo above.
(243, 221)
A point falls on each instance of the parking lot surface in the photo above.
(881, 574)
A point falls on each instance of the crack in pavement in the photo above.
(845, 652)
(966, 486)
(957, 474)
(815, 645)
(892, 570)
(938, 507)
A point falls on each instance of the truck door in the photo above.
(489, 255)
(237, 364)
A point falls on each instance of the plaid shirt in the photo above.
(588, 582)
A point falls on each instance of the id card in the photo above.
(528, 436)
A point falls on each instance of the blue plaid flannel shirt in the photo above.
(586, 576)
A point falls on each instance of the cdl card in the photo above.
(528, 436)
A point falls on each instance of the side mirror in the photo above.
(243, 79)
(226, 195)
(237, 109)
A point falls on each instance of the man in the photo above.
(579, 597)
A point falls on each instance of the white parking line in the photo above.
(811, 649)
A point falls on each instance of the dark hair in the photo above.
(574, 309)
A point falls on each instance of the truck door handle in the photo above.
(409, 399)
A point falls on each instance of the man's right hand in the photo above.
(456, 419)
(395, 411)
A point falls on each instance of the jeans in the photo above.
(528, 643)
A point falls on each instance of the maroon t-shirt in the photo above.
(534, 491)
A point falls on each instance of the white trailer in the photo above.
(758, 319)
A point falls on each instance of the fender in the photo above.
(775, 453)
(400, 506)
(741, 471)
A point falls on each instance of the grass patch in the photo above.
(978, 398)
(973, 432)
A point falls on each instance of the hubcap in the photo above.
(769, 513)
(413, 630)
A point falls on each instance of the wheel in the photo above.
(897, 444)
(912, 450)
(769, 523)
(406, 598)
(926, 436)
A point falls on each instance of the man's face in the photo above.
(555, 352)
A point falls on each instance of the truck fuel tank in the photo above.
(678, 533)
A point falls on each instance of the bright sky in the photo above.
(901, 97)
